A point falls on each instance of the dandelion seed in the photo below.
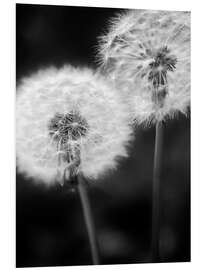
(147, 54)
(69, 121)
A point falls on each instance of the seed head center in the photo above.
(68, 127)
(163, 62)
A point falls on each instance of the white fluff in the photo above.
(50, 91)
(127, 50)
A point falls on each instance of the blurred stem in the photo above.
(156, 192)
(88, 219)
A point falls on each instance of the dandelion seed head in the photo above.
(69, 121)
(147, 55)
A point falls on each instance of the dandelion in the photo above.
(147, 55)
(70, 123)
(69, 120)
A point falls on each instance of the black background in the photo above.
(49, 224)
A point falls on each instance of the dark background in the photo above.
(49, 223)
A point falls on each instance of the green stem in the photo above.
(88, 220)
(156, 193)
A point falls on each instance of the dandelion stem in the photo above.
(156, 192)
(88, 220)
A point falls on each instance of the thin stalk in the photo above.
(156, 192)
(88, 220)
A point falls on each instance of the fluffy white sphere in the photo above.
(65, 116)
(145, 52)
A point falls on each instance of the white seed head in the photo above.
(69, 120)
(147, 55)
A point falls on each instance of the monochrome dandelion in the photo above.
(70, 124)
(69, 121)
(147, 54)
